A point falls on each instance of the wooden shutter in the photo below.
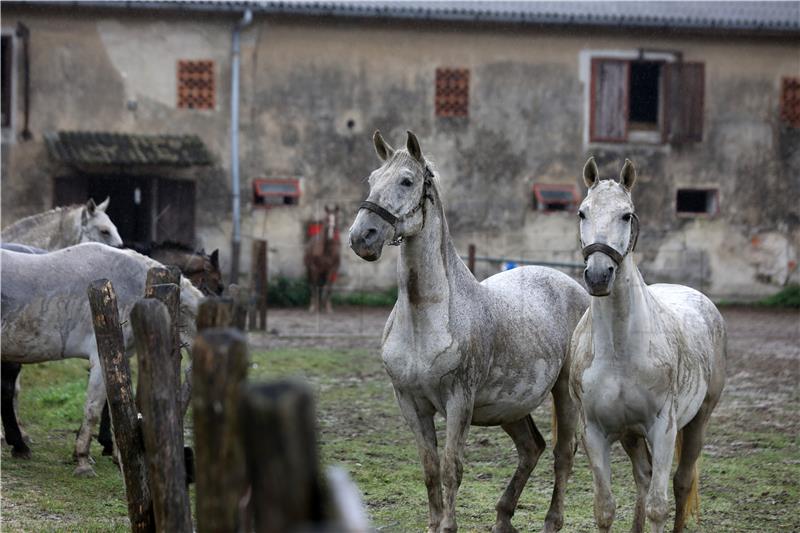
(609, 100)
(685, 84)
(175, 220)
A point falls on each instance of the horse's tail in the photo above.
(692, 505)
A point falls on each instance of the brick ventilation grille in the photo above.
(196, 84)
(452, 92)
(790, 102)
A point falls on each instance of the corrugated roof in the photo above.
(754, 16)
(99, 148)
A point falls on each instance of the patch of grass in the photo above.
(754, 489)
(789, 297)
(288, 292)
(291, 292)
(385, 298)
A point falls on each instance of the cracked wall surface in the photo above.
(313, 91)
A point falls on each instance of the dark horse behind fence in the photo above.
(198, 267)
(322, 258)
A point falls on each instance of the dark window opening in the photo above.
(7, 59)
(697, 201)
(550, 197)
(644, 97)
(275, 192)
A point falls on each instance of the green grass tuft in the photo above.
(789, 297)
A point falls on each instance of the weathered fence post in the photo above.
(122, 407)
(280, 447)
(240, 304)
(161, 416)
(219, 367)
(258, 284)
(471, 259)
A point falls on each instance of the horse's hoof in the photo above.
(84, 471)
(504, 528)
(21, 453)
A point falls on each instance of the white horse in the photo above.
(46, 314)
(648, 363)
(65, 226)
(484, 354)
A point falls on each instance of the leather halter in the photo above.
(393, 219)
(611, 252)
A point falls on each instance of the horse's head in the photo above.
(96, 226)
(608, 225)
(204, 273)
(397, 192)
(331, 221)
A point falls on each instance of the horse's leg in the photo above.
(530, 445)
(314, 304)
(691, 446)
(661, 437)
(95, 398)
(17, 388)
(636, 448)
(421, 424)
(327, 290)
(598, 449)
(566, 417)
(104, 436)
(13, 435)
(459, 416)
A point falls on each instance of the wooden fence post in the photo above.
(161, 416)
(258, 284)
(471, 259)
(214, 312)
(219, 367)
(240, 305)
(280, 444)
(122, 407)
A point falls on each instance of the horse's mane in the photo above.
(34, 220)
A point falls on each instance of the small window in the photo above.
(550, 197)
(275, 192)
(196, 88)
(790, 101)
(7, 76)
(645, 101)
(697, 202)
(452, 92)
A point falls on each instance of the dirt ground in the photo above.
(763, 375)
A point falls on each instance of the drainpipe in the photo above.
(236, 244)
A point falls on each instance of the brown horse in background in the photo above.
(322, 259)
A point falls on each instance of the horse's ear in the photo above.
(590, 172)
(627, 176)
(104, 205)
(413, 147)
(382, 147)
(214, 258)
(91, 206)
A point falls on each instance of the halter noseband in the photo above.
(611, 252)
(392, 219)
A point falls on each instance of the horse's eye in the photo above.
(406, 182)
(626, 217)
(581, 215)
(105, 232)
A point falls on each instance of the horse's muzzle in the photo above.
(368, 234)
(599, 274)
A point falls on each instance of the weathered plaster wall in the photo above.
(314, 90)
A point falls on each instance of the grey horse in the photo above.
(65, 226)
(483, 354)
(648, 363)
(46, 316)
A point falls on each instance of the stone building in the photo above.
(133, 100)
